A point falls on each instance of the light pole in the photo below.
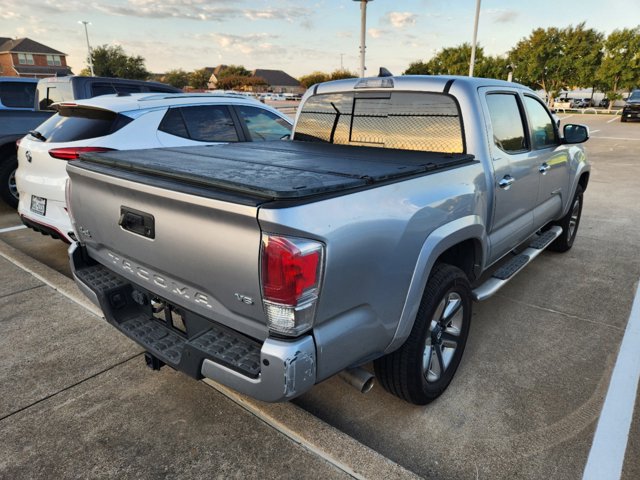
(363, 32)
(472, 63)
(86, 33)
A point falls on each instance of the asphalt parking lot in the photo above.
(524, 404)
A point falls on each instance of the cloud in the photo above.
(9, 15)
(400, 19)
(246, 44)
(377, 32)
(502, 15)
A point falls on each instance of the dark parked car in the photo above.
(631, 109)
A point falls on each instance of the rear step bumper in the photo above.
(501, 276)
(273, 371)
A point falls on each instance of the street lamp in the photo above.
(472, 63)
(363, 32)
(86, 33)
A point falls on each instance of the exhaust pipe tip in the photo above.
(358, 378)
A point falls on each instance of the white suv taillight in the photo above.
(291, 276)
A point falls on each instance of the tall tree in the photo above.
(177, 77)
(342, 74)
(112, 61)
(620, 67)
(234, 70)
(239, 82)
(316, 77)
(199, 78)
(583, 53)
(418, 68)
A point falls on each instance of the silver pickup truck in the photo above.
(270, 267)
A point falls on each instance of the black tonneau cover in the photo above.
(279, 169)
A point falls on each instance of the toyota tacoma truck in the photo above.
(269, 267)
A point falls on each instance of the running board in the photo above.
(505, 273)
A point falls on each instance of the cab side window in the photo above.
(543, 134)
(506, 122)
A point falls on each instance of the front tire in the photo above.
(422, 368)
(569, 223)
(8, 188)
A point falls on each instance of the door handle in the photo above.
(506, 182)
(544, 168)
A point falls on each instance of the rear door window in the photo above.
(205, 123)
(506, 122)
(71, 124)
(17, 94)
(263, 124)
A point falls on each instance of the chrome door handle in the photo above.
(544, 168)
(506, 182)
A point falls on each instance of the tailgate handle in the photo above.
(137, 222)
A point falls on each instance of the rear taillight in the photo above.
(73, 153)
(291, 276)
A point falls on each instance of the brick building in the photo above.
(24, 57)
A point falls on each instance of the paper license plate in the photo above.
(38, 205)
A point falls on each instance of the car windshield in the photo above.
(635, 95)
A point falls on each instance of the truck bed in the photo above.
(275, 170)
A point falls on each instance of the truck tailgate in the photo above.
(196, 252)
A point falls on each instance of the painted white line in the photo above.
(612, 120)
(619, 138)
(568, 116)
(594, 131)
(11, 229)
(609, 445)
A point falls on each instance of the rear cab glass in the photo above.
(71, 124)
(422, 121)
(17, 94)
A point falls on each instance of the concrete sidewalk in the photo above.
(78, 402)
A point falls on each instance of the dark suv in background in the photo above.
(631, 109)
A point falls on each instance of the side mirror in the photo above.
(575, 133)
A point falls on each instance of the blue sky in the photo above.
(294, 36)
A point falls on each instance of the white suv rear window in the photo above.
(71, 124)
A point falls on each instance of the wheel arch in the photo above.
(462, 243)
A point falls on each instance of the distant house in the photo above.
(278, 81)
(24, 57)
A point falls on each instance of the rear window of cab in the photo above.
(72, 124)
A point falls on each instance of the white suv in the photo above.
(127, 122)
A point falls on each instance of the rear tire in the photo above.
(422, 368)
(8, 189)
(569, 223)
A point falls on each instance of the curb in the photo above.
(313, 434)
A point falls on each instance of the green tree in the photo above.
(539, 60)
(239, 82)
(234, 70)
(177, 77)
(620, 67)
(492, 67)
(112, 61)
(199, 78)
(454, 60)
(342, 74)
(418, 68)
(583, 53)
(315, 77)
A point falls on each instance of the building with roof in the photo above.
(277, 81)
(23, 57)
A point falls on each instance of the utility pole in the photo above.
(86, 33)
(363, 32)
(472, 63)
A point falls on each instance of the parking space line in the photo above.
(612, 120)
(11, 229)
(568, 116)
(594, 131)
(618, 138)
(609, 445)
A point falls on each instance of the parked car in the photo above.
(604, 103)
(399, 201)
(580, 103)
(631, 109)
(16, 122)
(130, 121)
